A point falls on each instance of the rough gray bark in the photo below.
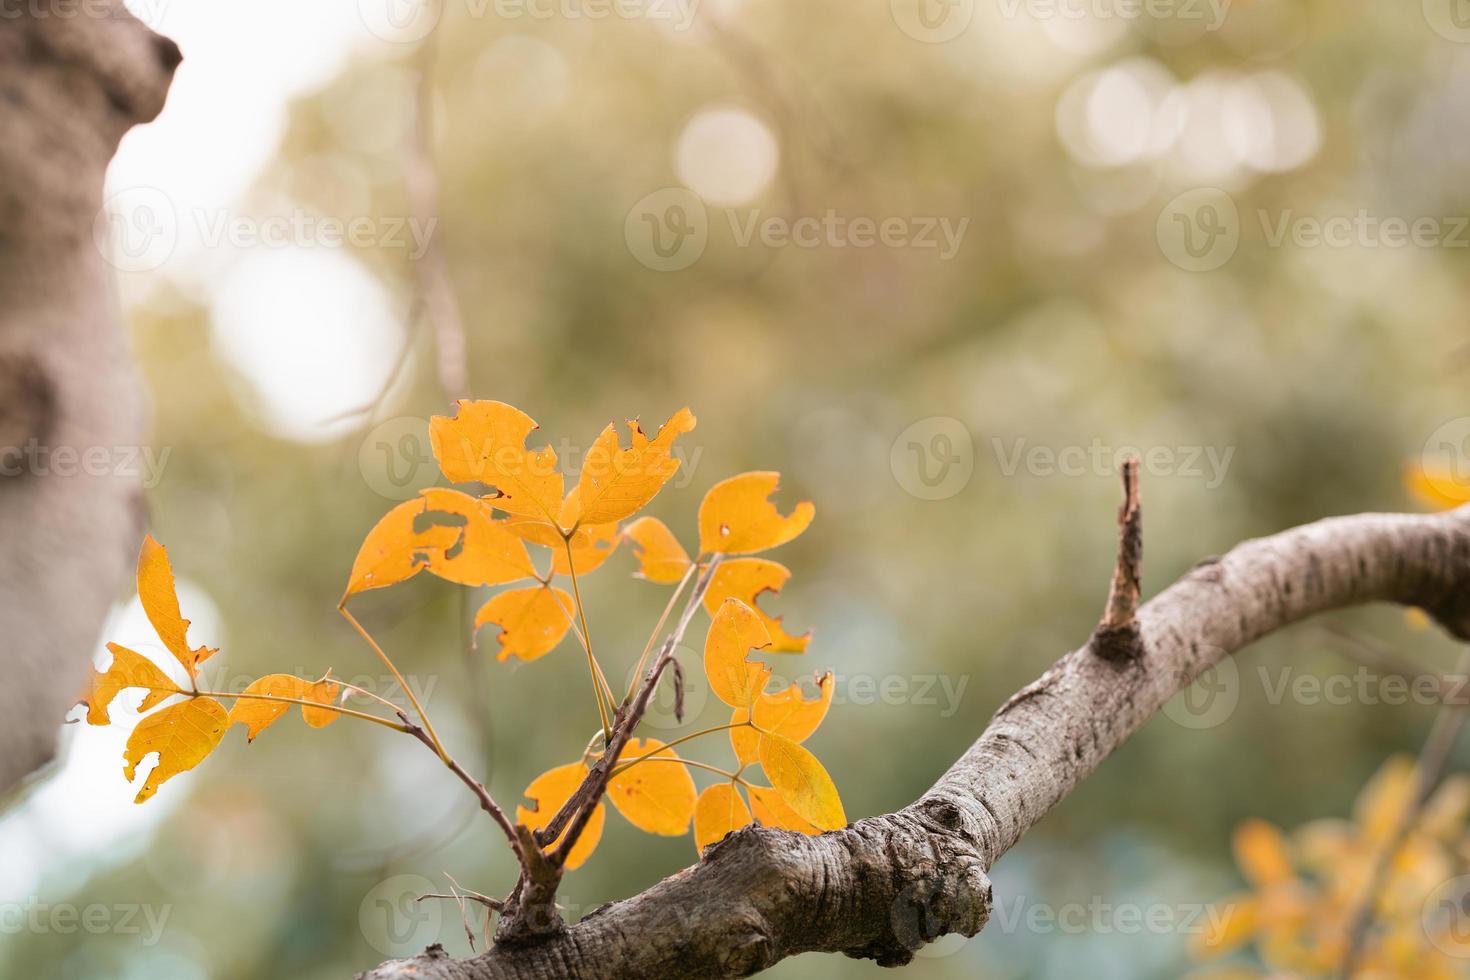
(886, 885)
(72, 82)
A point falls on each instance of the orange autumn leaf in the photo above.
(786, 713)
(660, 556)
(532, 621)
(182, 734)
(157, 592)
(1437, 487)
(128, 669)
(257, 714)
(485, 442)
(448, 533)
(1260, 851)
(592, 545)
(734, 631)
(547, 793)
(615, 482)
(1228, 925)
(737, 516)
(718, 811)
(747, 579)
(770, 810)
(802, 782)
(655, 796)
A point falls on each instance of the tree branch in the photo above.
(886, 885)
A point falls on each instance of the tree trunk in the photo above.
(71, 84)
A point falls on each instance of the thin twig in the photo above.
(1117, 635)
(1434, 761)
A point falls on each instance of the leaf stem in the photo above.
(387, 662)
(624, 766)
(349, 712)
(733, 777)
(598, 681)
(653, 637)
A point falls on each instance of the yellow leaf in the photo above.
(747, 579)
(451, 534)
(1438, 487)
(772, 811)
(592, 544)
(786, 713)
(655, 796)
(660, 556)
(735, 630)
(532, 621)
(128, 669)
(738, 518)
(615, 482)
(161, 602)
(718, 811)
(547, 793)
(257, 714)
(1260, 851)
(1382, 802)
(182, 734)
(1227, 925)
(485, 442)
(802, 782)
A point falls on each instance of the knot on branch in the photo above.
(1116, 638)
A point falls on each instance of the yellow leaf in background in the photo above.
(485, 442)
(448, 533)
(615, 482)
(161, 602)
(1446, 811)
(257, 714)
(660, 556)
(1382, 802)
(802, 782)
(747, 579)
(786, 713)
(718, 811)
(655, 796)
(1261, 853)
(737, 517)
(1437, 487)
(734, 631)
(547, 793)
(128, 669)
(1226, 925)
(182, 734)
(484, 552)
(771, 810)
(532, 621)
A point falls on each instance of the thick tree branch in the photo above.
(886, 885)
